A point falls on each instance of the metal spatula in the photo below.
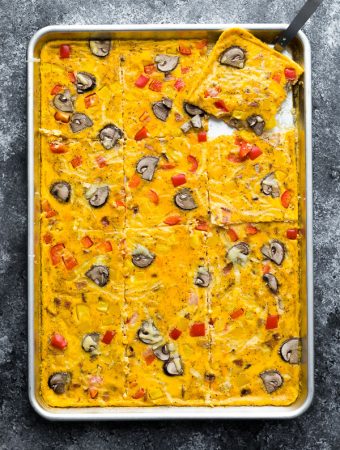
(284, 38)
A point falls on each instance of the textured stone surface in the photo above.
(21, 427)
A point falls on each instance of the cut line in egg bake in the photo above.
(169, 261)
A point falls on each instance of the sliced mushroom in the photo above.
(184, 199)
(193, 110)
(275, 251)
(238, 254)
(142, 257)
(147, 166)
(166, 63)
(234, 57)
(162, 352)
(59, 382)
(61, 191)
(196, 121)
(85, 82)
(256, 123)
(272, 380)
(149, 333)
(186, 126)
(79, 122)
(90, 343)
(100, 48)
(97, 196)
(110, 135)
(235, 123)
(202, 277)
(271, 282)
(99, 274)
(290, 350)
(162, 109)
(270, 185)
(173, 367)
(64, 101)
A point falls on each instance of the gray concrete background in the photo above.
(21, 428)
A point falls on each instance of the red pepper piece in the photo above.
(173, 220)
(286, 198)
(197, 329)
(56, 252)
(108, 336)
(290, 74)
(272, 322)
(58, 341)
(194, 163)
(175, 333)
(141, 134)
(237, 313)
(202, 136)
(142, 81)
(232, 235)
(86, 242)
(292, 233)
(178, 179)
(64, 51)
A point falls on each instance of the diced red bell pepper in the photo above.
(58, 341)
(62, 117)
(48, 238)
(149, 356)
(201, 44)
(156, 85)
(202, 136)
(194, 163)
(64, 51)
(134, 181)
(234, 158)
(101, 161)
(276, 77)
(139, 394)
(290, 74)
(167, 166)
(105, 246)
(292, 233)
(185, 69)
(141, 134)
(212, 92)
(173, 220)
(46, 207)
(57, 88)
(237, 313)
(254, 153)
(245, 148)
(178, 179)
(221, 105)
(266, 269)
(202, 225)
(179, 84)
(93, 391)
(197, 329)
(58, 147)
(108, 336)
(184, 50)
(286, 198)
(142, 81)
(76, 161)
(272, 322)
(69, 261)
(120, 203)
(86, 242)
(232, 235)
(56, 253)
(91, 100)
(153, 196)
(250, 229)
(149, 69)
(175, 333)
(72, 77)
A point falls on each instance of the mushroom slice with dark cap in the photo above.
(61, 191)
(275, 251)
(90, 343)
(63, 101)
(79, 122)
(290, 350)
(256, 123)
(233, 122)
(184, 199)
(162, 352)
(186, 126)
(142, 257)
(99, 274)
(59, 382)
(173, 366)
(271, 282)
(272, 380)
(149, 334)
(238, 254)
(109, 136)
(202, 277)
(146, 166)
(166, 63)
(162, 109)
(100, 48)
(192, 110)
(97, 196)
(85, 82)
(270, 185)
(234, 57)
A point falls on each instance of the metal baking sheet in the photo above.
(300, 49)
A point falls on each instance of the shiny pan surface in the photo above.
(301, 52)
